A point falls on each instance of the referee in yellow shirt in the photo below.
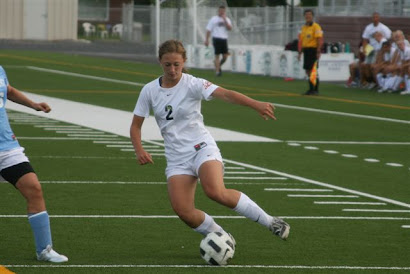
(310, 44)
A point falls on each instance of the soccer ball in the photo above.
(217, 248)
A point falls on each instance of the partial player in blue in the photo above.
(16, 169)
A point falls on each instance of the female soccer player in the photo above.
(191, 152)
(16, 169)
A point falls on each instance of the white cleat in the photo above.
(406, 92)
(280, 228)
(49, 255)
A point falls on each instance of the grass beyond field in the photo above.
(339, 176)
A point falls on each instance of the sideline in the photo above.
(276, 104)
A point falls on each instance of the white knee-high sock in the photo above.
(208, 226)
(248, 208)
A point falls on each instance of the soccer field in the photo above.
(336, 167)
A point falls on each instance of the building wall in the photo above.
(39, 20)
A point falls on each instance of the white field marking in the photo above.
(299, 189)
(67, 129)
(244, 172)
(280, 105)
(350, 142)
(146, 266)
(377, 210)
(344, 114)
(370, 160)
(90, 131)
(394, 164)
(234, 167)
(294, 144)
(347, 203)
(116, 121)
(96, 136)
(30, 123)
(81, 118)
(321, 196)
(57, 126)
(331, 151)
(235, 217)
(311, 148)
(405, 226)
(79, 157)
(256, 178)
(106, 138)
(157, 154)
(148, 183)
(112, 142)
(86, 76)
(349, 155)
(121, 146)
(153, 150)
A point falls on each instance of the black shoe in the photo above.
(219, 73)
(311, 92)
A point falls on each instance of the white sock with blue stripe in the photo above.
(40, 224)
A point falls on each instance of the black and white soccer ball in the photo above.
(217, 248)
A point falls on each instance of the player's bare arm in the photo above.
(265, 109)
(143, 157)
(18, 97)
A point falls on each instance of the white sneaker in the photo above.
(280, 228)
(49, 255)
(406, 92)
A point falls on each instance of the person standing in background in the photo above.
(15, 168)
(218, 27)
(310, 44)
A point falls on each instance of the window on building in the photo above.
(93, 10)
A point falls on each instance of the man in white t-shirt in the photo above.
(375, 26)
(218, 27)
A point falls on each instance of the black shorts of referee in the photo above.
(220, 45)
(309, 58)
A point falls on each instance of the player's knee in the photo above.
(215, 195)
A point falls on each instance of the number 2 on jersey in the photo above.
(168, 109)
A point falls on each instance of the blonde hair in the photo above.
(172, 46)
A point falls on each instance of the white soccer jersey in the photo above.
(388, 56)
(371, 29)
(177, 111)
(217, 27)
(405, 54)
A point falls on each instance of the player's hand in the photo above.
(42, 107)
(266, 110)
(144, 157)
(206, 43)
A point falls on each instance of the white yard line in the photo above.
(348, 142)
(116, 121)
(143, 266)
(86, 76)
(376, 210)
(299, 189)
(344, 114)
(346, 203)
(318, 183)
(321, 196)
(234, 217)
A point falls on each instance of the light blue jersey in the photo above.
(7, 139)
